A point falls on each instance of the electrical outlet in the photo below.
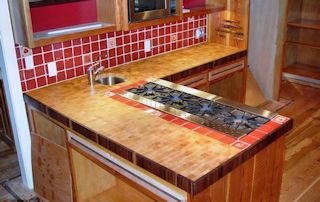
(29, 62)
(26, 52)
(52, 69)
(147, 45)
(111, 43)
(174, 37)
(199, 33)
(190, 19)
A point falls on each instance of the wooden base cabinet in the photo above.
(70, 167)
(257, 179)
(229, 80)
(229, 87)
(50, 162)
(99, 175)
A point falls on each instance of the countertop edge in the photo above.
(188, 185)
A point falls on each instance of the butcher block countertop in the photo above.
(186, 156)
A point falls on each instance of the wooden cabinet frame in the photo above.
(108, 11)
(301, 45)
(207, 9)
(6, 130)
(106, 165)
(237, 11)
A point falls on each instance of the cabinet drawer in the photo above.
(195, 81)
(225, 70)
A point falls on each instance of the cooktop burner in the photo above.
(220, 117)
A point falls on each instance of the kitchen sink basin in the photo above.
(110, 79)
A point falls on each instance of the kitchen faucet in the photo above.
(93, 72)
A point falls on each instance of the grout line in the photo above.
(307, 189)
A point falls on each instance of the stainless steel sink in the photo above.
(110, 79)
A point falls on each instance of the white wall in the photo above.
(263, 47)
(13, 91)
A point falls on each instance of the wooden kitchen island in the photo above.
(93, 145)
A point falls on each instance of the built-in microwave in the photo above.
(141, 10)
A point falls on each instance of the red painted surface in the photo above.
(193, 3)
(62, 15)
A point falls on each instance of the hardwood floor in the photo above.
(301, 178)
(11, 187)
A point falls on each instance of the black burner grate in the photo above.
(223, 118)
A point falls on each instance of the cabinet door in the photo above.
(50, 163)
(199, 82)
(96, 184)
(230, 86)
(38, 23)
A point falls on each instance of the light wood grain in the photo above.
(89, 179)
(109, 187)
(120, 193)
(258, 179)
(52, 178)
(130, 126)
(236, 11)
(301, 170)
(229, 87)
(303, 70)
(311, 194)
(49, 130)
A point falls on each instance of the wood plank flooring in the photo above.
(11, 187)
(301, 178)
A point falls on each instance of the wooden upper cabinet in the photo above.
(38, 23)
(231, 26)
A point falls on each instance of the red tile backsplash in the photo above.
(73, 57)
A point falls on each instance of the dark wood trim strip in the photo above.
(157, 169)
(205, 67)
(35, 104)
(116, 148)
(58, 117)
(84, 131)
(184, 183)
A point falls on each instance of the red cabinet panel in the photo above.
(193, 3)
(63, 15)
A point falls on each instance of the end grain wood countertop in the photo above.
(178, 149)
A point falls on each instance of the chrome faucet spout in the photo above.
(93, 71)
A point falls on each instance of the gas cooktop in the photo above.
(199, 107)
